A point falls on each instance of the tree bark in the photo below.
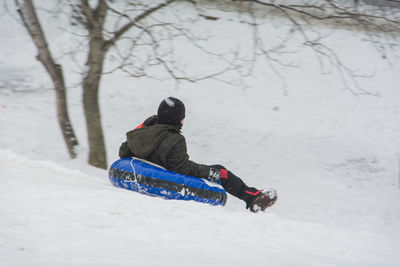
(91, 82)
(31, 22)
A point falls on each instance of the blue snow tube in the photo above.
(150, 179)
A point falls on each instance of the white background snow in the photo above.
(333, 157)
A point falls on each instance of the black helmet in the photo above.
(171, 111)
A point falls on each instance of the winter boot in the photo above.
(263, 200)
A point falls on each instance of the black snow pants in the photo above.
(235, 186)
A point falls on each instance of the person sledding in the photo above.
(159, 140)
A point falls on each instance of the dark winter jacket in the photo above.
(164, 145)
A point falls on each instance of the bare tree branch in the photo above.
(126, 27)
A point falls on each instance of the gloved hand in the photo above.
(216, 174)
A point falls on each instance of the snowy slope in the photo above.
(332, 156)
(57, 216)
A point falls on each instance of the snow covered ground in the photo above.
(53, 215)
(333, 157)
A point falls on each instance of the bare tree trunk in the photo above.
(91, 82)
(97, 151)
(98, 48)
(31, 22)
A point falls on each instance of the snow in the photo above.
(61, 216)
(333, 157)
